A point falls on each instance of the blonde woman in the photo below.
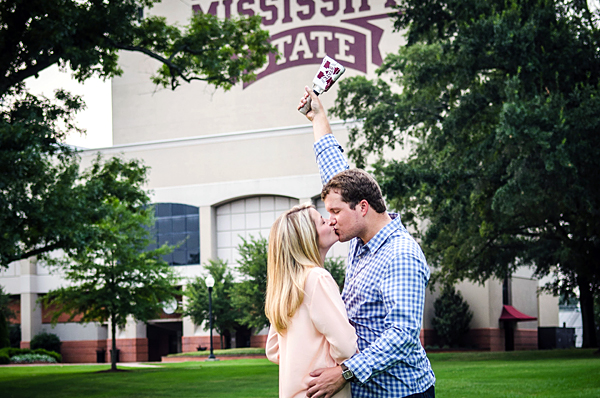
(309, 325)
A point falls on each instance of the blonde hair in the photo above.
(293, 249)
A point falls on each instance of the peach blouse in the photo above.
(319, 336)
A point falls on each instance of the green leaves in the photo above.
(498, 102)
(249, 297)
(225, 315)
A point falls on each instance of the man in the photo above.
(386, 277)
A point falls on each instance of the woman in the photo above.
(309, 325)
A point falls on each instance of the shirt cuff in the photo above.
(326, 142)
(356, 365)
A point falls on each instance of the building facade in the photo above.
(224, 165)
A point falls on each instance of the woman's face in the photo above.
(326, 233)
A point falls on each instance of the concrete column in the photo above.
(31, 311)
(208, 234)
(189, 327)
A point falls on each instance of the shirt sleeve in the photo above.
(329, 316)
(402, 289)
(330, 158)
(272, 346)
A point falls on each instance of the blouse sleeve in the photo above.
(272, 347)
(329, 316)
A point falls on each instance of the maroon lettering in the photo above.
(212, 10)
(376, 33)
(309, 44)
(364, 6)
(268, 8)
(245, 11)
(310, 12)
(286, 12)
(335, 7)
(390, 3)
(349, 8)
(227, 4)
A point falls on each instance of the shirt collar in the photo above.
(380, 237)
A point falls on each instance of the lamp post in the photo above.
(210, 282)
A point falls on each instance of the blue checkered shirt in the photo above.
(384, 293)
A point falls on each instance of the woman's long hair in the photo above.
(293, 249)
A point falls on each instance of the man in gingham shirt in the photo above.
(386, 277)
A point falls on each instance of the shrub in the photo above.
(337, 268)
(47, 341)
(4, 358)
(53, 354)
(452, 317)
(15, 335)
(10, 352)
(31, 357)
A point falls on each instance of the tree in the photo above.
(249, 294)
(337, 268)
(41, 192)
(114, 276)
(5, 314)
(451, 317)
(499, 102)
(46, 341)
(224, 313)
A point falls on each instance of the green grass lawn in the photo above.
(559, 373)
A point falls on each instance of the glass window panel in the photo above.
(191, 210)
(179, 257)
(178, 209)
(164, 226)
(178, 224)
(163, 210)
(179, 239)
(193, 257)
(193, 242)
(192, 223)
(168, 258)
(167, 238)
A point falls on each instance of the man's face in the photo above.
(347, 222)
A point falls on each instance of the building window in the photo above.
(246, 218)
(178, 224)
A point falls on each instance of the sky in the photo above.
(96, 118)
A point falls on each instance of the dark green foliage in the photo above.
(10, 352)
(337, 269)
(225, 315)
(45, 204)
(249, 294)
(15, 335)
(87, 36)
(451, 317)
(500, 103)
(114, 276)
(5, 314)
(46, 341)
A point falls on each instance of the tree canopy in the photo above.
(224, 313)
(45, 203)
(114, 276)
(249, 294)
(500, 103)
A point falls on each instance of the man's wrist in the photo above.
(347, 374)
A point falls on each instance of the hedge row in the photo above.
(9, 352)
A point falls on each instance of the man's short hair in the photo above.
(354, 185)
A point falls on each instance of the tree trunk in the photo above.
(586, 301)
(113, 351)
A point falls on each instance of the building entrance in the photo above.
(164, 338)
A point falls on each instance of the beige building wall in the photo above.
(212, 149)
